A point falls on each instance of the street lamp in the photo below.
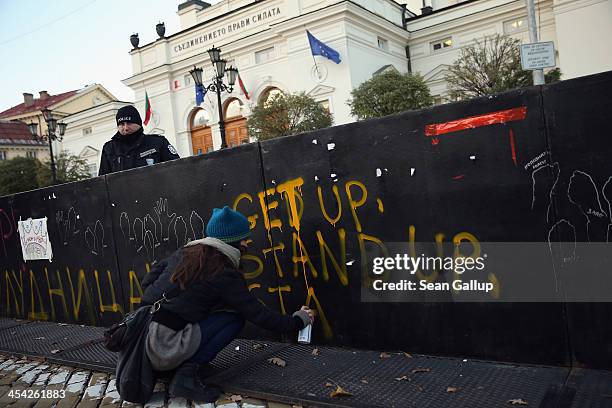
(217, 84)
(53, 128)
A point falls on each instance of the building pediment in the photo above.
(436, 74)
(88, 151)
(384, 69)
(320, 90)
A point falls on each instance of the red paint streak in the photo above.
(472, 122)
(459, 177)
(513, 147)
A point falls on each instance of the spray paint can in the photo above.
(304, 335)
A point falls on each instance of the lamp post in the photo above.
(217, 84)
(53, 128)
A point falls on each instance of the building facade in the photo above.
(62, 106)
(16, 141)
(267, 42)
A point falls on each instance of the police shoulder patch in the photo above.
(171, 149)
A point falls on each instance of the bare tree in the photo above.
(490, 66)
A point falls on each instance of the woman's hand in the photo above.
(310, 313)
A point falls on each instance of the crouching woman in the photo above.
(208, 303)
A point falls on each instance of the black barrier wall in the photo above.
(525, 166)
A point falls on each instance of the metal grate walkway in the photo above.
(310, 374)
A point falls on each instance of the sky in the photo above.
(63, 45)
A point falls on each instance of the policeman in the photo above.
(131, 148)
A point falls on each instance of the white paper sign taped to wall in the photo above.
(34, 238)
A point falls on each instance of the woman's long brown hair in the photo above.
(198, 262)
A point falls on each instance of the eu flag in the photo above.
(318, 48)
(200, 92)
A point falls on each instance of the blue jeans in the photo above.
(218, 330)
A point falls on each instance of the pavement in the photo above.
(45, 364)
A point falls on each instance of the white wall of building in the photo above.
(244, 28)
(584, 29)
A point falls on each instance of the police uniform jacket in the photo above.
(125, 152)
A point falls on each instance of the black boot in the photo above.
(187, 384)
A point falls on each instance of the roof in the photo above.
(38, 104)
(15, 132)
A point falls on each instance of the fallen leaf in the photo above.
(452, 389)
(277, 361)
(328, 384)
(315, 352)
(421, 370)
(364, 381)
(517, 401)
(257, 346)
(407, 355)
(403, 378)
(55, 351)
(419, 387)
(340, 392)
(385, 355)
(236, 398)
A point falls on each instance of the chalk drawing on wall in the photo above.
(68, 223)
(34, 239)
(583, 193)
(160, 226)
(95, 238)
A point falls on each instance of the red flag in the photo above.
(147, 109)
(244, 91)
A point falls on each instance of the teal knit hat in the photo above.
(227, 225)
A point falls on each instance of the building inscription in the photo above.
(217, 34)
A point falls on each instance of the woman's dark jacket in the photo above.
(227, 289)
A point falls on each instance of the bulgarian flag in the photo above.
(243, 88)
(147, 110)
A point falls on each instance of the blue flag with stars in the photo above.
(200, 92)
(318, 48)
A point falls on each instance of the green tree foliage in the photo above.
(389, 93)
(490, 66)
(287, 115)
(68, 168)
(18, 174)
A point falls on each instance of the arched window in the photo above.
(232, 109)
(269, 94)
(200, 118)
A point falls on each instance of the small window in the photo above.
(201, 118)
(383, 44)
(86, 131)
(269, 94)
(31, 154)
(232, 109)
(2, 155)
(325, 104)
(93, 170)
(515, 26)
(442, 44)
(264, 55)
(187, 79)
